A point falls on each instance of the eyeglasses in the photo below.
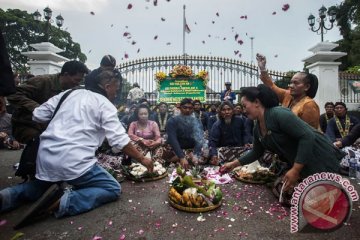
(187, 107)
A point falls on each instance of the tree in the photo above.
(348, 19)
(20, 30)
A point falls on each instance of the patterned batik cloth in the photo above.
(168, 154)
(228, 154)
(351, 152)
(155, 153)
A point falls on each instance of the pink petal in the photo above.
(3, 222)
(122, 237)
(97, 238)
(140, 232)
(285, 7)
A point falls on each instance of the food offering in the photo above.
(254, 173)
(138, 172)
(186, 195)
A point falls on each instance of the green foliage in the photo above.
(355, 69)
(20, 30)
(348, 20)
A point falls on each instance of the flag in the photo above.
(186, 27)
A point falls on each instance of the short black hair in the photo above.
(329, 103)
(74, 67)
(340, 103)
(186, 101)
(136, 112)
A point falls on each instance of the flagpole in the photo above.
(184, 23)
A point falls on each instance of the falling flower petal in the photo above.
(241, 42)
(236, 52)
(138, 50)
(155, 37)
(217, 14)
(3, 222)
(126, 56)
(111, 25)
(213, 22)
(274, 13)
(168, 43)
(162, 19)
(224, 38)
(92, 13)
(155, 2)
(203, 42)
(285, 7)
(125, 34)
(129, 6)
(236, 37)
(133, 43)
(276, 55)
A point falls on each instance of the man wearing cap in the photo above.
(341, 124)
(108, 62)
(228, 94)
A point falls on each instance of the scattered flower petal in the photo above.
(285, 7)
(200, 218)
(3, 222)
(97, 238)
(122, 237)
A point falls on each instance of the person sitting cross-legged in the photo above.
(145, 134)
(227, 136)
(185, 136)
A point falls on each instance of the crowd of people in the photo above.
(62, 127)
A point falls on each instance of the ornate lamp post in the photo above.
(47, 17)
(321, 20)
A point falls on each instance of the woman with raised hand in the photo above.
(305, 150)
(299, 97)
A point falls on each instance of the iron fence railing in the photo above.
(348, 93)
(220, 69)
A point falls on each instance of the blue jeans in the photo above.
(93, 189)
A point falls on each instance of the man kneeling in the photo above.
(67, 154)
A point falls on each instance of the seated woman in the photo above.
(299, 97)
(145, 133)
(305, 150)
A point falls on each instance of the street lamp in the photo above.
(321, 20)
(47, 16)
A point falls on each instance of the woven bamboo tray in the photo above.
(248, 181)
(194, 210)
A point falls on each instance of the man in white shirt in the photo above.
(135, 94)
(67, 153)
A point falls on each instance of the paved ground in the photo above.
(142, 212)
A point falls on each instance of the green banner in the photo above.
(173, 90)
